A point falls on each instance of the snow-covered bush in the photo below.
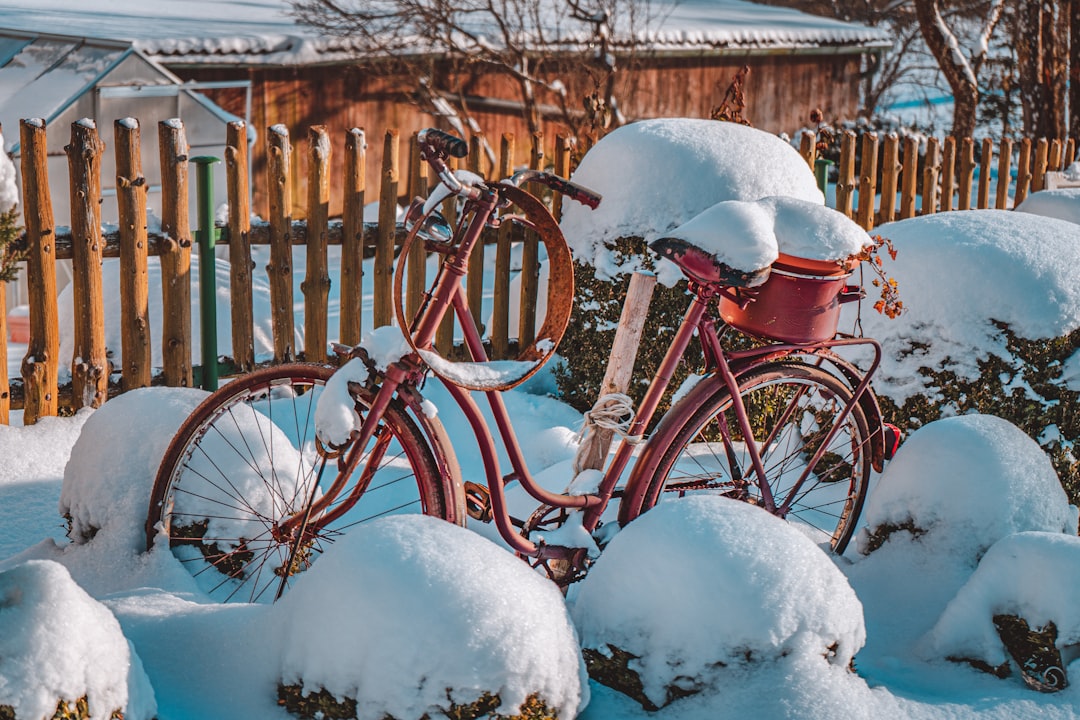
(63, 652)
(656, 175)
(110, 474)
(409, 617)
(991, 325)
(1063, 203)
(1031, 576)
(697, 588)
(960, 484)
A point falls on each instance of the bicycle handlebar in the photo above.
(436, 145)
(443, 142)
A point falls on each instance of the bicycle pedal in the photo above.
(893, 437)
(478, 502)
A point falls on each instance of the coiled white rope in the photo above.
(613, 412)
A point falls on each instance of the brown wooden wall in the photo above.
(780, 91)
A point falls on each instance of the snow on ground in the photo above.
(205, 660)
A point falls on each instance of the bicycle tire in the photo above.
(687, 454)
(245, 459)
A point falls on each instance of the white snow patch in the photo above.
(440, 619)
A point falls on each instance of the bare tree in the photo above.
(961, 71)
(1041, 39)
(440, 45)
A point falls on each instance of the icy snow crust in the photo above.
(967, 482)
(416, 595)
(960, 271)
(775, 595)
(58, 643)
(655, 175)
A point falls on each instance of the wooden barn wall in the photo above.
(780, 92)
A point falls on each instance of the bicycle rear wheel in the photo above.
(247, 459)
(792, 407)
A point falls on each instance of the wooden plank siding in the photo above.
(780, 90)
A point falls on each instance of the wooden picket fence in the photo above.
(946, 172)
(92, 378)
(946, 169)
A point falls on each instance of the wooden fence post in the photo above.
(1070, 153)
(845, 182)
(1001, 201)
(530, 264)
(868, 180)
(890, 169)
(416, 271)
(352, 237)
(89, 366)
(909, 177)
(948, 173)
(474, 283)
(808, 148)
(620, 367)
(500, 316)
(131, 189)
(316, 284)
(175, 254)
(1053, 161)
(240, 263)
(1038, 174)
(930, 177)
(383, 310)
(985, 163)
(967, 173)
(41, 365)
(1023, 172)
(280, 269)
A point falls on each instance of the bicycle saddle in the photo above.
(703, 268)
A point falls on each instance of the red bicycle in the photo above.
(251, 491)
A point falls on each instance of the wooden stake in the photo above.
(131, 189)
(890, 170)
(620, 366)
(383, 311)
(279, 271)
(89, 367)
(316, 284)
(239, 233)
(352, 237)
(41, 365)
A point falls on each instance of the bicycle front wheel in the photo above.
(793, 407)
(247, 459)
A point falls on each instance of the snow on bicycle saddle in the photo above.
(735, 242)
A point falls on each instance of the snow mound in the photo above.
(107, 481)
(960, 484)
(958, 272)
(436, 614)
(1032, 575)
(683, 591)
(749, 235)
(655, 175)
(1063, 204)
(58, 643)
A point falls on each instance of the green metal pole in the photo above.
(821, 174)
(206, 237)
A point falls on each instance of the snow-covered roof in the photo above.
(263, 32)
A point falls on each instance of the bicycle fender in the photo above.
(868, 403)
(442, 450)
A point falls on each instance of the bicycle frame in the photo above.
(448, 294)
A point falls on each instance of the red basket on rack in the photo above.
(799, 303)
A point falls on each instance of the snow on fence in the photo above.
(947, 172)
